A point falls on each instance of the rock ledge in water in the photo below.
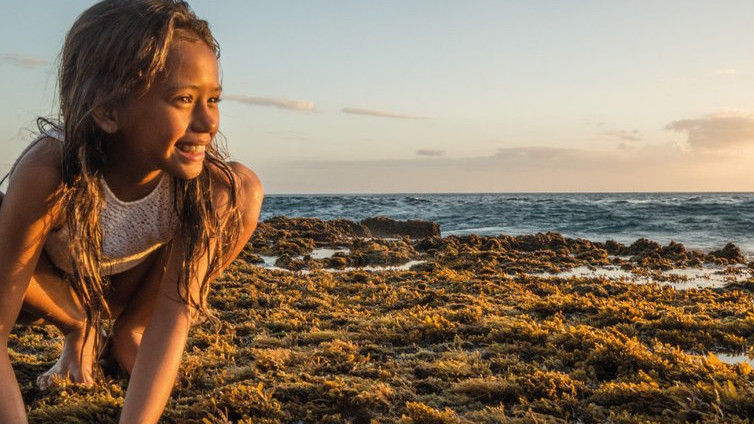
(387, 227)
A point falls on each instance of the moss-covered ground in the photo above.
(471, 335)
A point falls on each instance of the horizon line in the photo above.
(503, 192)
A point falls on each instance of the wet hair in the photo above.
(115, 49)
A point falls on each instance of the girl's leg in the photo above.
(51, 298)
(131, 301)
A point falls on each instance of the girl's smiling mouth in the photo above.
(193, 152)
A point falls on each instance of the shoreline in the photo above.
(703, 221)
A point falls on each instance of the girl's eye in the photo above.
(184, 99)
(215, 99)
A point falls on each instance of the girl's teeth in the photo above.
(192, 148)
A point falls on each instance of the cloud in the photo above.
(624, 135)
(430, 152)
(297, 105)
(23, 61)
(721, 130)
(379, 113)
(729, 72)
(537, 154)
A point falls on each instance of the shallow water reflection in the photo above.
(680, 279)
(324, 253)
(733, 359)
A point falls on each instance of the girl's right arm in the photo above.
(26, 216)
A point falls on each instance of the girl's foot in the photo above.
(72, 366)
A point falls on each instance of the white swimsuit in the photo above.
(130, 230)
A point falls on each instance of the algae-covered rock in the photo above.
(730, 252)
(386, 227)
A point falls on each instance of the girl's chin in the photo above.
(186, 173)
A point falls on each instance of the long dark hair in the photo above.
(115, 49)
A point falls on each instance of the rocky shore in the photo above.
(396, 324)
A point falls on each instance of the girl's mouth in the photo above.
(193, 152)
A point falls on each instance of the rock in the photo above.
(674, 250)
(314, 228)
(597, 255)
(613, 247)
(640, 246)
(337, 261)
(390, 228)
(731, 252)
(550, 241)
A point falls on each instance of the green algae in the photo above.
(469, 337)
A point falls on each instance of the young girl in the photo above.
(124, 207)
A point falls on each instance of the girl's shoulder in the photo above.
(39, 164)
(42, 155)
(33, 185)
(248, 184)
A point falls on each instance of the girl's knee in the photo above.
(126, 337)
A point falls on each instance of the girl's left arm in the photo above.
(164, 338)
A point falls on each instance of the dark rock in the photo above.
(314, 228)
(492, 244)
(250, 258)
(594, 255)
(731, 252)
(613, 247)
(429, 244)
(674, 249)
(338, 261)
(386, 227)
(642, 245)
(550, 241)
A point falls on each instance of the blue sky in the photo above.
(449, 96)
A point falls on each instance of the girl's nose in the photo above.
(206, 118)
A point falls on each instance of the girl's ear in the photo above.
(106, 118)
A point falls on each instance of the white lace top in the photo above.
(130, 230)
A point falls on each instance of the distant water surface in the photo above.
(699, 220)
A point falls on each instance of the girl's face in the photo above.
(168, 128)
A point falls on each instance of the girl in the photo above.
(123, 208)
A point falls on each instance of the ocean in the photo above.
(703, 221)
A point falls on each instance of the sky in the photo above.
(441, 96)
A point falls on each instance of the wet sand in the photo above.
(463, 329)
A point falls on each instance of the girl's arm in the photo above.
(161, 348)
(164, 338)
(26, 216)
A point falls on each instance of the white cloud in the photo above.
(23, 61)
(624, 135)
(379, 113)
(430, 152)
(297, 105)
(726, 129)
